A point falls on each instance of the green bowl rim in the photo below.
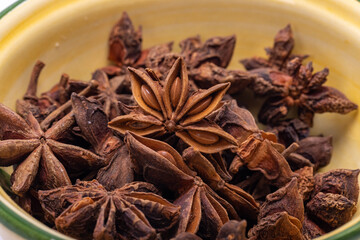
(26, 229)
(11, 7)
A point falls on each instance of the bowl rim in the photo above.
(16, 219)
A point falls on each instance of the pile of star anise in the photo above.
(157, 145)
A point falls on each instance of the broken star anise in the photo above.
(87, 210)
(170, 109)
(203, 211)
(40, 154)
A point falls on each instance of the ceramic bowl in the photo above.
(71, 36)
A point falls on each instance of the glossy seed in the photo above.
(84, 202)
(168, 156)
(149, 97)
(175, 92)
(200, 106)
(202, 137)
(138, 125)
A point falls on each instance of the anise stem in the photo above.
(32, 87)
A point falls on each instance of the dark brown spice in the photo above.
(210, 163)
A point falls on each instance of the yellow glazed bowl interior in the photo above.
(70, 36)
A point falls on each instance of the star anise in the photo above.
(279, 54)
(281, 215)
(53, 104)
(202, 210)
(287, 84)
(125, 42)
(217, 50)
(110, 92)
(40, 154)
(87, 210)
(258, 150)
(170, 109)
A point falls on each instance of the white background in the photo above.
(5, 3)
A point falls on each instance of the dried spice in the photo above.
(311, 230)
(233, 230)
(109, 92)
(339, 181)
(331, 209)
(169, 109)
(39, 154)
(287, 84)
(87, 211)
(125, 42)
(157, 161)
(306, 181)
(181, 157)
(286, 199)
(279, 225)
(279, 54)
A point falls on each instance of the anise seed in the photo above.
(149, 97)
(200, 106)
(167, 155)
(175, 92)
(204, 137)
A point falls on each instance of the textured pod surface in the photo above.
(137, 123)
(206, 137)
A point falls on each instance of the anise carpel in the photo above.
(170, 109)
(39, 154)
(87, 210)
(203, 211)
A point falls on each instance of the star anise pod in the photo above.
(202, 210)
(40, 154)
(312, 151)
(110, 92)
(258, 150)
(279, 54)
(281, 215)
(53, 104)
(125, 42)
(287, 84)
(87, 210)
(170, 109)
(303, 89)
(217, 50)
